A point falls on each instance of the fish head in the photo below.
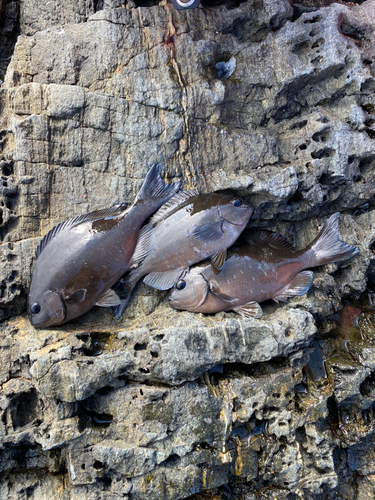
(190, 292)
(234, 210)
(46, 309)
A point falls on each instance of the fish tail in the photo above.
(154, 189)
(328, 246)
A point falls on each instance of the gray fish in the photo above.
(264, 268)
(190, 228)
(79, 260)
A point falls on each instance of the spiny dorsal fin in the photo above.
(263, 237)
(92, 216)
(173, 203)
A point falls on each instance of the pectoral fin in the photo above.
(120, 309)
(214, 288)
(249, 310)
(109, 299)
(218, 259)
(164, 279)
(208, 232)
(298, 286)
(77, 296)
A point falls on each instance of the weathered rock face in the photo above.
(165, 404)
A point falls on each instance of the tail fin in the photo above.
(155, 189)
(328, 246)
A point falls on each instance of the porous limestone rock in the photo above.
(165, 404)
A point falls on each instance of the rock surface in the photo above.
(165, 404)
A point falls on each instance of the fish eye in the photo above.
(35, 308)
(237, 202)
(180, 285)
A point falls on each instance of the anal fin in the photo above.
(298, 286)
(218, 259)
(249, 310)
(109, 299)
(162, 280)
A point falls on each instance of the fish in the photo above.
(190, 228)
(79, 260)
(264, 267)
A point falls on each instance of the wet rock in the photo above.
(96, 92)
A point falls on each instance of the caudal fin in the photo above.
(328, 247)
(154, 189)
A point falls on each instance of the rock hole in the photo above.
(140, 347)
(106, 480)
(141, 392)
(296, 198)
(317, 60)
(367, 387)
(354, 33)
(299, 125)
(314, 32)
(322, 136)
(158, 338)
(301, 47)
(313, 20)
(303, 146)
(83, 466)
(144, 370)
(23, 408)
(98, 465)
(318, 43)
(103, 391)
(323, 153)
(154, 354)
(7, 169)
(13, 276)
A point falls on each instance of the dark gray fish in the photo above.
(190, 228)
(79, 260)
(264, 268)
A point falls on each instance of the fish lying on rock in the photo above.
(190, 228)
(79, 260)
(264, 268)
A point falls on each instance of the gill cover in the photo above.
(51, 311)
(190, 292)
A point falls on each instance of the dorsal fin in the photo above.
(174, 202)
(263, 237)
(97, 214)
